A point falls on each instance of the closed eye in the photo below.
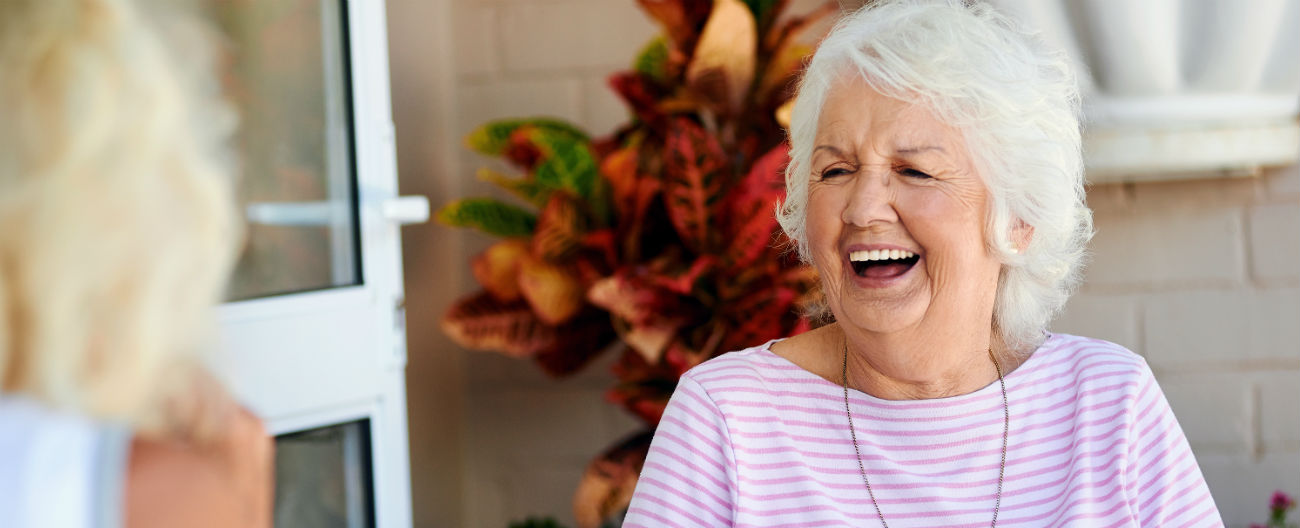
(833, 172)
(913, 173)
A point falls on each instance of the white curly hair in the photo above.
(119, 224)
(1016, 103)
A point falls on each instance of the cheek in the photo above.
(941, 223)
(823, 217)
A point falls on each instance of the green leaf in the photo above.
(652, 60)
(490, 216)
(493, 137)
(525, 188)
(567, 162)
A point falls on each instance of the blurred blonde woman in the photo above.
(117, 231)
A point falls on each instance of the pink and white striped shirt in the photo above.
(750, 439)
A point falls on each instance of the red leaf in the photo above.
(759, 318)
(632, 189)
(576, 344)
(759, 190)
(749, 210)
(482, 322)
(682, 20)
(644, 388)
(684, 282)
(630, 299)
(640, 93)
(693, 177)
(521, 150)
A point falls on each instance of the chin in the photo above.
(881, 312)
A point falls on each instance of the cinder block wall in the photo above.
(1202, 277)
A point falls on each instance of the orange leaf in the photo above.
(554, 291)
(483, 322)
(497, 268)
(727, 52)
(607, 484)
(559, 228)
(652, 338)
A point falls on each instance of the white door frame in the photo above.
(314, 359)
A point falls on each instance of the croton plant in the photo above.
(657, 243)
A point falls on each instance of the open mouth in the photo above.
(882, 263)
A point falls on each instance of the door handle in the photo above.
(404, 210)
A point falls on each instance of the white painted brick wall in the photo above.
(1279, 401)
(1202, 277)
(1115, 318)
(1216, 410)
(544, 37)
(1223, 328)
(1168, 246)
(1274, 246)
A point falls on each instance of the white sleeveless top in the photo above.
(59, 470)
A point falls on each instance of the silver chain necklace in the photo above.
(1006, 429)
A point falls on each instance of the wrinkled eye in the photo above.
(833, 172)
(913, 173)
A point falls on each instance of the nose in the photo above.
(871, 199)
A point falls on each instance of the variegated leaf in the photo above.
(483, 322)
(694, 170)
(607, 484)
(726, 54)
(497, 268)
(559, 228)
(554, 291)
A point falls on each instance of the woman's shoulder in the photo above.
(752, 368)
(1086, 358)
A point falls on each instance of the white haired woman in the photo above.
(118, 233)
(936, 186)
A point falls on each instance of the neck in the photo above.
(935, 366)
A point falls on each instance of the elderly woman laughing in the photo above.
(936, 185)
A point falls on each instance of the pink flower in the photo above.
(1281, 501)
(1256, 525)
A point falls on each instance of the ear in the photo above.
(1021, 235)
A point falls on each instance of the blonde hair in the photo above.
(118, 220)
(1017, 104)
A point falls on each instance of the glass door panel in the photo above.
(286, 73)
(324, 478)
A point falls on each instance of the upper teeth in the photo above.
(880, 254)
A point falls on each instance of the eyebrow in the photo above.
(918, 150)
(834, 150)
(906, 151)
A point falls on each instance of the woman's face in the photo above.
(895, 220)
